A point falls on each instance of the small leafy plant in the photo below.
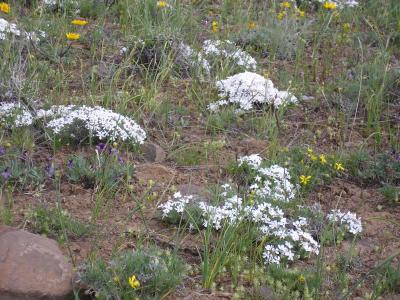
(145, 273)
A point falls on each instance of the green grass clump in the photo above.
(158, 272)
(56, 223)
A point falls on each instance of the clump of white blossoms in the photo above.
(15, 115)
(246, 90)
(288, 238)
(100, 123)
(11, 28)
(342, 3)
(214, 49)
(348, 220)
(6, 27)
(192, 57)
(175, 205)
(72, 120)
(270, 182)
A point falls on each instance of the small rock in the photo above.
(153, 152)
(155, 172)
(264, 292)
(252, 146)
(32, 267)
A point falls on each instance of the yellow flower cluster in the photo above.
(4, 7)
(133, 282)
(285, 6)
(214, 26)
(162, 4)
(251, 25)
(329, 5)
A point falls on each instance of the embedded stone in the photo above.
(153, 152)
(32, 267)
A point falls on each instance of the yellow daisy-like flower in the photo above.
(162, 4)
(322, 159)
(79, 22)
(133, 282)
(329, 5)
(73, 36)
(4, 7)
(285, 4)
(214, 26)
(281, 15)
(338, 166)
(304, 180)
(301, 278)
(301, 13)
(252, 25)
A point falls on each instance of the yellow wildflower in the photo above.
(346, 27)
(133, 282)
(301, 13)
(304, 180)
(4, 7)
(339, 166)
(162, 4)
(309, 150)
(281, 15)
(312, 157)
(322, 159)
(252, 25)
(73, 36)
(301, 278)
(329, 5)
(285, 4)
(116, 279)
(214, 26)
(79, 22)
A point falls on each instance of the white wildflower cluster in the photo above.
(342, 3)
(6, 27)
(15, 115)
(63, 4)
(226, 49)
(11, 28)
(177, 204)
(270, 182)
(349, 220)
(289, 237)
(99, 122)
(247, 89)
(230, 212)
(253, 160)
(194, 58)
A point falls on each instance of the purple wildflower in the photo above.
(2, 151)
(101, 147)
(6, 174)
(70, 163)
(50, 170)
(24, 156)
